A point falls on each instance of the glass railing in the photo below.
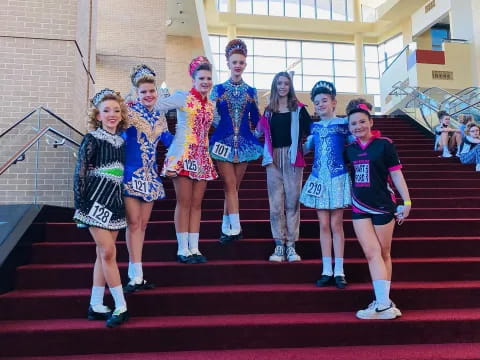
(37, 160)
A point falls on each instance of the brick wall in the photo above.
(44, 52)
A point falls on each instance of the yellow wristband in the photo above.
(407, 202)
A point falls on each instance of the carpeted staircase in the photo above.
(240, 306)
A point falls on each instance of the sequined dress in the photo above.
(235, 115)
(146, 129)
(98, 181)
(188, 154)
(328, 186)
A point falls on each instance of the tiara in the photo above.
(142, 70)
(324, 84)
(98, 98)
(195, 63)
(233, 45)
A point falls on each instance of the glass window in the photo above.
(248, 78)
(350, 11)
(297, 82)
(223, 44)
(224, 76)
(394, 45)
(260, 7)
(344, 51)
(309, 81)
(263, 81)
(371, 53)
(316, 50)
(269, 47)
(368, 14)
(371, 70)
(324, 9)
(373, 86)
(269, 64)
(345, 68)
(339, 11)
(294, 64)
(377, 101)
(308, 9)
(214, 44)
(294, 48)
(292, 8)
(244, 6)
(317, 67)
(276, 7)
(346, 84)
(249, 43)
(222, 5)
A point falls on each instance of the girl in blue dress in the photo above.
(328, 186)
(233, 144)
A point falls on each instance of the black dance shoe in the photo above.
(324, 280)
(340, 282)
(237, 237)
(186, 259)
(199, 258)
(117, 319)
(224, 238)
(93, 315)
(131, 287)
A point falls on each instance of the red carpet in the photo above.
(240, 306)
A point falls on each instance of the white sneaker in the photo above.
(398, 313)
(446, 154)
(374, 313)
(278, 254)
(292, 254)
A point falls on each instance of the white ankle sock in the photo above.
(327, 265)
(235, 223)
(226, 225)
(382, 292)
(97, 295)
(138, 270)
(182, 239)
(118, 297)
(131, 270)
(339, 267)
(193, 242)
(445, 150)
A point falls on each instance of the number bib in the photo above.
(190, 165)
(140, 185)
(221, 150)
(314, 189)
(100, 213)
(362, 173)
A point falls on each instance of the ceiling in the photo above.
(181, 18)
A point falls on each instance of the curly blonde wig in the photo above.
(93, 123)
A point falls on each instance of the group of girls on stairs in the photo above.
(116, 179)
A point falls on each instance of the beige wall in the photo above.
(476, 42)
(129, 33)
(180, 51)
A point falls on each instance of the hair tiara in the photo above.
(323, 87)
(195, 63)
(98, 98)
(140, 71)
(236, 46)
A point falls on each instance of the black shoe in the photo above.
(324, 280)
(132, 287)
(93, 315)
(224, 238)
(186, 259)
(237, 237)
(199, 259)
(340, 282)
(116, 320)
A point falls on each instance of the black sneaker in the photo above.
(186, 259)
(224, 238)
(199, 258)
(340, 282)
(132, 286)
(93, 315)
(324, 280)
(117, 319)
(237, 237)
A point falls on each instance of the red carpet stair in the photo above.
(238, 300)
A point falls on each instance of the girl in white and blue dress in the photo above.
(328, 186)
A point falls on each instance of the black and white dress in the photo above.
(98, 181)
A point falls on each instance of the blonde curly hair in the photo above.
(93, 123)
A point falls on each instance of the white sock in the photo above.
(445, 150)
(327, 265)
(193, 242)
(226, 225)
(382, 292)
(118, 297)
(131, 270)
(182, 239)
(339, 267)
(97, 295)
(477, 167)
(138, 272)
(235, 223)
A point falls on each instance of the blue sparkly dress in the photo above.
(235, 116)
(328, 186)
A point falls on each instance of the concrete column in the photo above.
(232, 6)
(231, 32)
(360, 63)
(357, 11)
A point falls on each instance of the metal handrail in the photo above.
(449, 93)
(32, 142)
(396, 58)
(37, 110)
